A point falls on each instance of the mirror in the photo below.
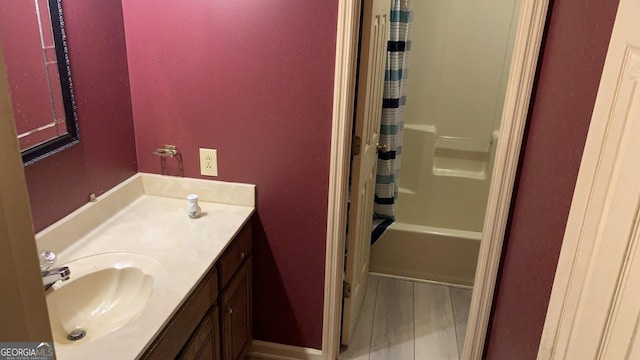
(33, 41)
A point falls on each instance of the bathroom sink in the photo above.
(105, 292)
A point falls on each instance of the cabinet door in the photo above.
(237, 313)
(204, 344)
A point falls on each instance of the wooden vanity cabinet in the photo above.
(215, 322)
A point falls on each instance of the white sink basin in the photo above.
(105, 292)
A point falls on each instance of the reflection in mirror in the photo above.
(34, 45)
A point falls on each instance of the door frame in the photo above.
(531, 23)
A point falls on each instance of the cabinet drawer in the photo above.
(175, 334)
(234, 255)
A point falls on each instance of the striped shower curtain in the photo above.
(393, 108)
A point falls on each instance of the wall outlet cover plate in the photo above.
(208, 162)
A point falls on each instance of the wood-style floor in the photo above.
(406, 320)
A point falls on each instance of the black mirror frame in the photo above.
(72, 136)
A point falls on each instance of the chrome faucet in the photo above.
(51, 275)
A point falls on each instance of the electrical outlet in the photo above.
(208, 162)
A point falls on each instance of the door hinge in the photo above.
(346, 289)
(356, 145)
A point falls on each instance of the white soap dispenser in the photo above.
(192, 206)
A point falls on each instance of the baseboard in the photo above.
(268, 350)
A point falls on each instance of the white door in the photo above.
(373, 52)
(594, 311)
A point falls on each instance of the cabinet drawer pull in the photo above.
(242, 255)
(230, 310)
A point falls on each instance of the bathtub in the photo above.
(443, 192)
(427, 254)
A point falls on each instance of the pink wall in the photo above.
(253, 79)
(106, 153)
(574, 52)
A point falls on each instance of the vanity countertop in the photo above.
(159, 227)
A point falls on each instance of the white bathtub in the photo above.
(427, 253)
